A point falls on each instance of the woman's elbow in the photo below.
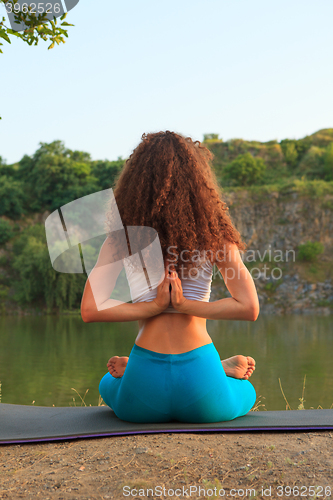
(86, 316)
(254, 312)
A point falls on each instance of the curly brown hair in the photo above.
(168, 184)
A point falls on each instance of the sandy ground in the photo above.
(238, 465)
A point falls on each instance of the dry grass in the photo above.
(301, 400)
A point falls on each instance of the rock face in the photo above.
(292, 296)
(273, 227)
(282, 221)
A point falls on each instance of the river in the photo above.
(44, 360)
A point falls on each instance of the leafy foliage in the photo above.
(12, 197)
(211, 138)
(245, 170)
(35, 281)
(54, 176)
(38, 28)
(6, 231)
(107, 172)
(289, 159)
(310, 250)
(328, 163)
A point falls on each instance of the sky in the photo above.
(255, 70)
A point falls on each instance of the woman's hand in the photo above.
(177, 298)
(163, 292)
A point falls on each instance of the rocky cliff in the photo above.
(274, 224)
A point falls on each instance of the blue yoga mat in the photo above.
(26, 424)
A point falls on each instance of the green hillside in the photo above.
(310, 157)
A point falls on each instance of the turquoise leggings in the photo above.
(188, 387)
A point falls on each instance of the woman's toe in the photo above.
(251, 361)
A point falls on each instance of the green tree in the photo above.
(211, 138)
(12, 197)
(107, 172)
(6, 231)
(328, 163)
(35, 281)
(290, 152)
(312, 164)
(294, 150)
(244, 170)
(5, 169)
(53, 177)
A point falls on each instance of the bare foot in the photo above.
(116, 366)
(239, 366)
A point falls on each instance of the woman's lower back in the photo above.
(172, 333)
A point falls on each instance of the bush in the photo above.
(245, 170)
(211, 139)
(290, 152)
(328, 163)
(35, 281)
(12, 197)
(311, 164)
(6, 231)
(55, 176)
(310, 250)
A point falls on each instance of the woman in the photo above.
(174, 371)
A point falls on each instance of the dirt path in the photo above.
(238, 465)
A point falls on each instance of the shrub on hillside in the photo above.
(12, 197)
(312, 163)
(245, 170)
(35, 281)
(310, 250)
(328, 163)
(6, 231)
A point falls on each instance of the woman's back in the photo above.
(178, 333)
(196, 283)
(167, 184)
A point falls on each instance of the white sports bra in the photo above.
(196, 286)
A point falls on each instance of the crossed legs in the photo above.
(238, 366)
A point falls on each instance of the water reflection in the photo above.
(43, 358)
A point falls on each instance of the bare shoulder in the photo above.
(228, 255)
(107, 254)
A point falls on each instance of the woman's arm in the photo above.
(114, 310)
(243, 303)
(96, 306)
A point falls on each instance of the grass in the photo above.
(100, 400)
(314, 273)
(258, 404)
(301, 400)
